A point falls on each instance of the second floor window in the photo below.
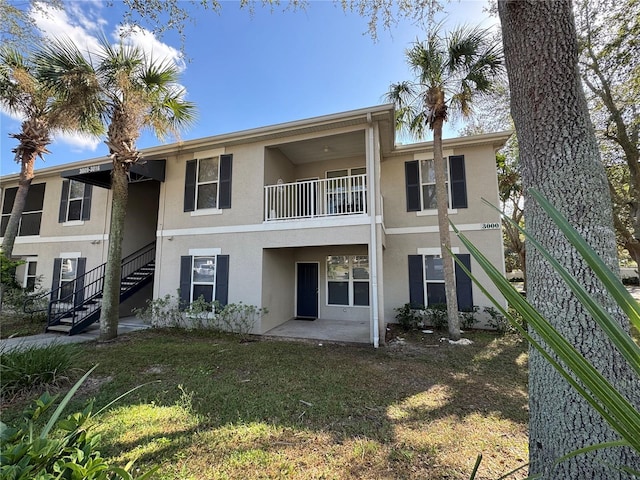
(32, 213)
(208, 184)
(75, 202)
(421, 184)
(428, 184)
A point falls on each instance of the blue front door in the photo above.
(307, 291)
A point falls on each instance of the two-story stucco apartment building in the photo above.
(324, 218)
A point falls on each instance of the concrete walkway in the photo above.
(125, 325)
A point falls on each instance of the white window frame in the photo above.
(348, 170)
(68, 201)
(434, 211)
(431, 252)
(350, 280)
(27, 262)
(207, 210)
(332, 196)
(203, 253)
(71, 257)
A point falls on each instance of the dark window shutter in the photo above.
(222, 279)
(225, 181)
(57, 266)
(412, 180)
(190, 186)
(416, 281)
(64, 200)
(464, 286)
(86, 202)
(185, 281)
(79, 290)
(458, 182)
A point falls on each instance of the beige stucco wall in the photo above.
(405, 232)
(86, 238)
(142, 216)
(481, 180)
(278, 292)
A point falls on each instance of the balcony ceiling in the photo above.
(345, 145)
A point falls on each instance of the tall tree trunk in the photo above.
(109, 315)
(445, 236)
(26, 177)
(559, 156)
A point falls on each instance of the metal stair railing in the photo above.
(83, 299)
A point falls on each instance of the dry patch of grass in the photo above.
(230, 410)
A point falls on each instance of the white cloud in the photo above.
(60, 23)
(78, 142)
(83, 23)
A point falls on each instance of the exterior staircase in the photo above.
(73, 310)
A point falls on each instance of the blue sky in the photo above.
(246, 71)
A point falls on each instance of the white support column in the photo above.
(373, 242)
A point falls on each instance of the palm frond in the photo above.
(449, 73)
(75, 102)
(170, 114)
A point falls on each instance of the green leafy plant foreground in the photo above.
(614, 408)
(62, 449)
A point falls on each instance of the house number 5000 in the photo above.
(490, 226)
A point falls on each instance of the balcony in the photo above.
(316, 198)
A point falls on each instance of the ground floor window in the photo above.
(203, 279)
(426, 281)
(30, 277)
(434, 280)
(68, 278)
(348, 280)
(204, 274)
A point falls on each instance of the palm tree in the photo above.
(137, 92)
(449, 73)
(45, 111)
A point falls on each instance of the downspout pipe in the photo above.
(373, 242)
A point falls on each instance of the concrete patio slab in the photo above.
(125, 325)
(323, 330)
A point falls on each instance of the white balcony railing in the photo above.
(316, 198)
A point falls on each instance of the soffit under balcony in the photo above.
(345, 145)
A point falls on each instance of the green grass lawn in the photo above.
(216, 408)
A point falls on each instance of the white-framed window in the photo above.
(207, 183)
(30, 274)
(348, 280)
(68, 272)
(428, 184)
(346, 195)
(203, 277)
(345, 172)
(74, 201)
(434, 280)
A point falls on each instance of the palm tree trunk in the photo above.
(26, 177)
(111, 296)
(559, 156)
(445, 236)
